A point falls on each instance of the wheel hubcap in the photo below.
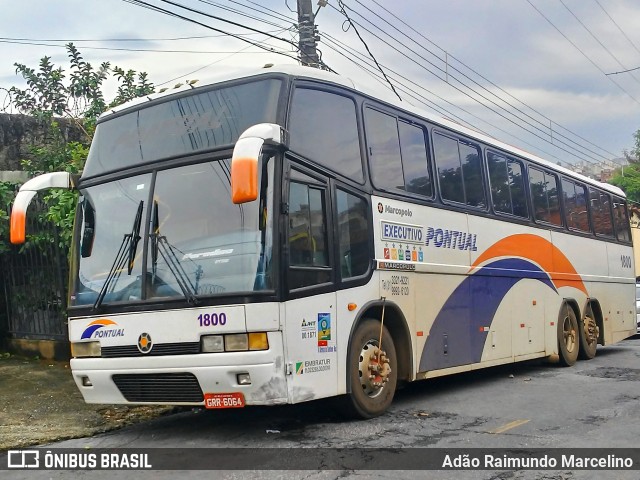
(374, 368)
(591, 330)
(569, 334)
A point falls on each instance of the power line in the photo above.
(144, 4)
(203, 67)
(449, 56)
(242, 14)
(429, 103)
(506, 117)
(344, 12)
(266, 10)
(117, 49)
(596, 38)
(618, 27)
(583, 53)
(551, 123)
(623, 71)
(80, 40)
(214, 17)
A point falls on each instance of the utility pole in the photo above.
(307, 34)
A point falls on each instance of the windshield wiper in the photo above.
(126, 255)
(159, 243)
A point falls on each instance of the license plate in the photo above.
(224, 400)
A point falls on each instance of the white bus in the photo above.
(283, 236)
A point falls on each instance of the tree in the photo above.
(628, 177)
(76, 95)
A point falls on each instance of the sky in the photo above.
(537, 74)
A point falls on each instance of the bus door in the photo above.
(310, 309)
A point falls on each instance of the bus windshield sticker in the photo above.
(325, 343)
(308, 329)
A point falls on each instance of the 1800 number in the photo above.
(211, 320)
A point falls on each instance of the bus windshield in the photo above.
(193, 240)
(181, 126)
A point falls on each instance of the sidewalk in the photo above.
(40, 403)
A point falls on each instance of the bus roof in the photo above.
(385, 96)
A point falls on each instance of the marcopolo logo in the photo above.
(102, 328)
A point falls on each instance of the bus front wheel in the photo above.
(568, 343)
(373, 372)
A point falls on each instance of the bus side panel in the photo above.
(510, 262)
(621, 293)
(311, 347)
(442, 248)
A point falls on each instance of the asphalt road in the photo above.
(595, 403)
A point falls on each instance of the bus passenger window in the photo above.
(397, 154)
(459, 171)
(544, 195)
(575, 205)
(415, 163)
(621, 220)
(472, 175)
(601, 213)
(449, 170)
(323, 127)
(307, 231)
(384, 149)
(307, 236)
(507, 185)
(353, 235)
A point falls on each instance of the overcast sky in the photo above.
(539, 66)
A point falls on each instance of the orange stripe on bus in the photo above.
(542, 252)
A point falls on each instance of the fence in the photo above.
(34, 284)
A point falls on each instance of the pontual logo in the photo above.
(97, 325)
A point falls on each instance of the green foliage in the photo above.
(628, 177)
(7, 192)
(76, 95)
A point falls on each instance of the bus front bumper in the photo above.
(184, 379)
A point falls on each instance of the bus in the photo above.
(282, 235)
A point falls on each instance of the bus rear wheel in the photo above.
(372, 372)
(568, 343)
(589, 333)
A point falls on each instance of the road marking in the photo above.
(509, 426)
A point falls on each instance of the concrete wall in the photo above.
(19, 133)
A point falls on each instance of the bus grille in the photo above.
(184, 348)
(159, 387)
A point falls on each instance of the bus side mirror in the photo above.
(88, 232)
(26, 193)
(244, 161)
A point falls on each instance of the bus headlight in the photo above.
(85, 349)
(236, 343)
(212, 343)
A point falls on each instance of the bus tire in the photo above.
(568, 343)
(368, 399)
(589, 332)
